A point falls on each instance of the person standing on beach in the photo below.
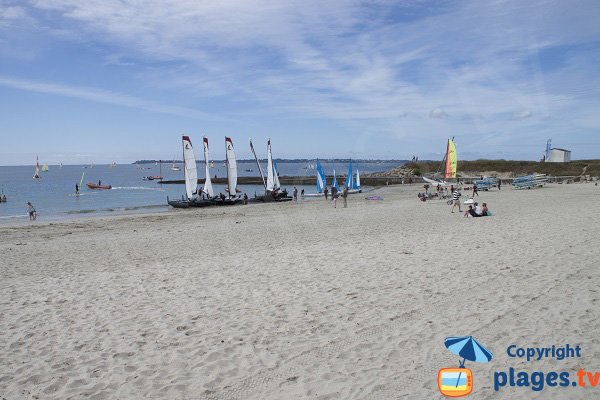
(295, 194)
(345, 196)
(475, 190)
(245, 199)
(334, 197)
(302, 194)
(456, 200)
(325, 191)
(31, 211)
(499, 183)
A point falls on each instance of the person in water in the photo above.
(76, 188)
(99, 182)
(31, 211)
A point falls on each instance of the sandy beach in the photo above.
(300, 301)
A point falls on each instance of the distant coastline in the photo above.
(290, 160)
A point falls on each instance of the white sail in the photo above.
(357, 179)
(270, 169)
(189, 162)
(231, 167)
(208, 189)
(276, 176)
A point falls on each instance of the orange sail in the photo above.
(451, 160)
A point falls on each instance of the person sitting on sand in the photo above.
(471, 212)
(484, 210)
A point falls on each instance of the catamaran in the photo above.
(321, 181)
(231, 189)
(450, 159)
(37, 168)
(353, 183)
(209, 198)
(272, 185)
(190, 173)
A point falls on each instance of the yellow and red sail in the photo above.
(451, 160)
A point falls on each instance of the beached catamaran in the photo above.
(352, 183)
(450, 159)
(321, 181)
(208, 189)
(190, 175)
(272, 184)
(231, 189)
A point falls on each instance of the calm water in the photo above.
(53, 195)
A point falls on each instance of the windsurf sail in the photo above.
(357, 181)
(231, 167)
(208, 189)
(321, 180)
(451, 160)
(81, 180)
(262, 175)
(44, 168)
(189, 168)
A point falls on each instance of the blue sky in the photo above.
(120, 80)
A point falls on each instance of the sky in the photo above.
(121, 80)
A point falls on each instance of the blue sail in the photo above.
(321, 181)
(349, 179)
(334, 184)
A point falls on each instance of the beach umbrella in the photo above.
(469, 349)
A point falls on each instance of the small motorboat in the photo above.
(96, 186)
(151, 178)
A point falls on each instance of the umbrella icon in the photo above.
(469, 349)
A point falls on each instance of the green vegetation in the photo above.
(515, 168)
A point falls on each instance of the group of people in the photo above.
(474, 210)
(477, 211)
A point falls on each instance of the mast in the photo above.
(270, 168)
(258, 164)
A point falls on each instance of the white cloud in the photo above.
(520, 115)
(437, 113)
(98, 95)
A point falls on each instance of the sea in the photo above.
(54, 198)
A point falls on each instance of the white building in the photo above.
(559, 155)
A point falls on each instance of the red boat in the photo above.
(95, 186)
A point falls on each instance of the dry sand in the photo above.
(297, 301)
